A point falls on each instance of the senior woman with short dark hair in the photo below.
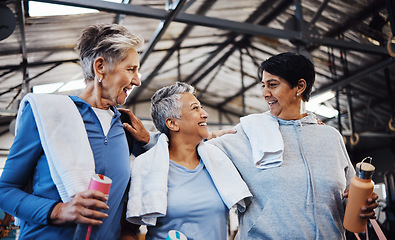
(296, 169)
(61, 141)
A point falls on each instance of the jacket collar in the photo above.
(309, 119)
(80, 103)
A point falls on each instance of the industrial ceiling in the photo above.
(216, 46)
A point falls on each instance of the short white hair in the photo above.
(110, 41)
(165, 103)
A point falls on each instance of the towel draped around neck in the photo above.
(64, 140)
(265, 139)
(148, 190)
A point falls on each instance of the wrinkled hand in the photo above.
(136, 128)
(81, 209)
(219, 133)
(367, 211)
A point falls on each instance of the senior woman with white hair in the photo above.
(182, 183)
(61, 141)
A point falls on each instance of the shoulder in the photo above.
(328, 129)
(46, 102)
(151, 156)
(233, 143)
(326, 132)
(142, 158)
(256, 118)
(210, 148)
(25, 113)
(25, 123)
(140, 165)
(47, 97)
(230, 137)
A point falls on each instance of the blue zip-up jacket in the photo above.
(28, 192)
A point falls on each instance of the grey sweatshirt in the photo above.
(301, 199)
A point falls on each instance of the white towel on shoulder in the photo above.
(265, 139)
(64, 140)
(148, 189)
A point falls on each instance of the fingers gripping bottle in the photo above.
(100, 183)
(361, 188)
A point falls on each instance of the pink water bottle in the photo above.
(100, 183)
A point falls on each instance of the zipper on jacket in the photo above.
(309, 176)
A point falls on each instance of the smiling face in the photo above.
(193, 122)
(282, 99)
(118, 82)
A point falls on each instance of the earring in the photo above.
(99, 80)
(297, 94)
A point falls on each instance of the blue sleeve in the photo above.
(18, 173)
(139, 148)
(135, 147)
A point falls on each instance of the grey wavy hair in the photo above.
(165, 103)
(110, 41)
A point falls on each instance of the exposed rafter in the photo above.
(356, 76)
(164, 24)
(133, 97)
(239, 27)
(257, 18)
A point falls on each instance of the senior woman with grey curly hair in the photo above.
(182, 183)
(61, 141)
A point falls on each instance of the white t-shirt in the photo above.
(105, 117)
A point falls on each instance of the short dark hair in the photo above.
(291, 67)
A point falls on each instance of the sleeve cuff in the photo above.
(49, 221)
(153, 138)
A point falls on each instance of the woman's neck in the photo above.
(92, 95)
(183, 153)
(303, 112)
(296, 112)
